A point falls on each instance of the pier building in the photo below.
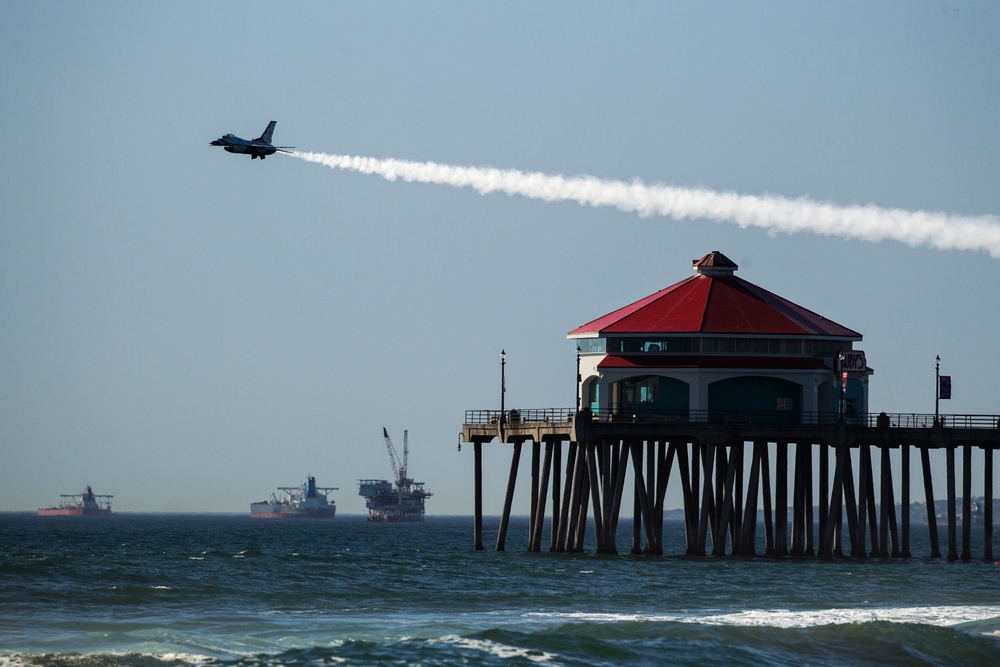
(714, 382)
(719, 345)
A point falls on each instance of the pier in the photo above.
(755, 406)
(734, 466)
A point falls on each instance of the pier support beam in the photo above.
(824, 489)
(640, 489)
(533, 499)
(540, 495)
(566, 500)
(509, 499)
(925, 462)
(478, 491)
(988, 503)
(556, 468)
(781, 499)
(949, 454)
(904, 455)
(966, 501)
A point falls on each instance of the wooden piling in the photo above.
(636, 511)
(949, 454)
(556, 469)
(807, 466)
(566, 501)
(736, 523)
(890, 502)
(904, 455)
(683, 468)
(595, 492)
(478, 493)
(509, 498)
(851, 506)
(966, 501)
(533, 496)
(988, 503)
(828, 543)
(708, 498)
(541, 494)
(748, 539)
(925, 462)
(765, 471)
(664, 463)
(640, 489)
(824, 487)
(781, 499)
(620, 468)
(798, 503)
(580, 531)
(864, 465)
(573, 489)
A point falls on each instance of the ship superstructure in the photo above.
(399, 501)
(307, 501)
(87, 503)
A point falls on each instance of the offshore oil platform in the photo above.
(400, 501)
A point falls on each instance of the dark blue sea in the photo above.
(156, 590)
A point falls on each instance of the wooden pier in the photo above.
(723, 464)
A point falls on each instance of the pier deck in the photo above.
(724, 468)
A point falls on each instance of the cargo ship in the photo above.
(399, 501)
(302, 502)
(87, 503)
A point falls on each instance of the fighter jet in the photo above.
(257, 148)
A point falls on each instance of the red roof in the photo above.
(715, 301)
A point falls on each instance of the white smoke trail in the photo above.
(944, 231)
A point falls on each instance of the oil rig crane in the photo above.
(398, 466)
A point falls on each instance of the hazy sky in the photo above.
(188, 329)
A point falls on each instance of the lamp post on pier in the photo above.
(578, 378)
(937, 388)
(503, 384)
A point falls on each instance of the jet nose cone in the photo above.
(216, 143)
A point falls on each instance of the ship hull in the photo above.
(269, 511)
(73, 511)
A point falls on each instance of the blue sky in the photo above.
(188, 329)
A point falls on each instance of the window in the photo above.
(592, 345)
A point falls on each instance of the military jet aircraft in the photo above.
(256, 148)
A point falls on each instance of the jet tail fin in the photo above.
(266, 137)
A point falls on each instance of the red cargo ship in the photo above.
(81, 504)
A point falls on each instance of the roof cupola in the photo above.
(714, 264)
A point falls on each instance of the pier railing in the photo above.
(874, 420)
(515, 416)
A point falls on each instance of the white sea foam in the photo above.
(502, 651)
(127, 657)
(942, 616)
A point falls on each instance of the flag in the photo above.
(944, 386)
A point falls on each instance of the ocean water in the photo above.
(158, 590)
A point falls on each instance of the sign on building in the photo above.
(852, 361)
